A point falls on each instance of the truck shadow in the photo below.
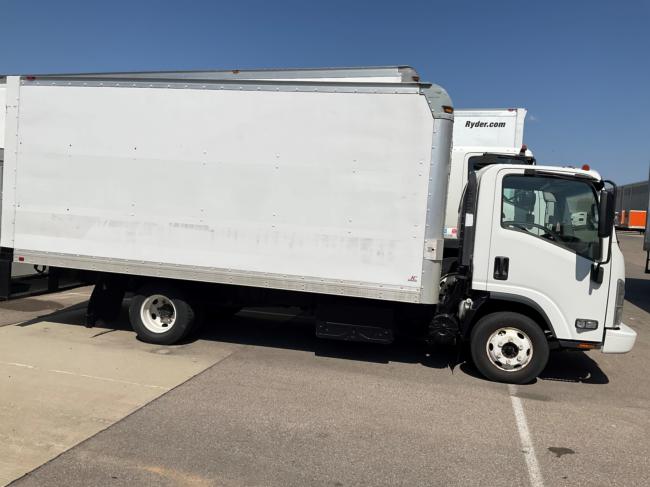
(293, 332)
(563, 366)
(297, 333)
(278, 330)
(75, 315)
(574, 366)
(637, 292)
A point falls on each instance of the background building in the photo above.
(632, 205)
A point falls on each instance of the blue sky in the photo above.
(581, 68)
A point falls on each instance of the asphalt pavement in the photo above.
(281, 408)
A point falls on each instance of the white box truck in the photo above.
(323, 189)
(481, 137)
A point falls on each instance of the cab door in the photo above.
(544, 240)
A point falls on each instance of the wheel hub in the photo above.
(509, 349)
(158, 313)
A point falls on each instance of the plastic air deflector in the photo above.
(466, 221)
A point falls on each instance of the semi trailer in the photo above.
(323, 189)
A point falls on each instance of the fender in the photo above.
(512, 298)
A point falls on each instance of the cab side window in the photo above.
(562, 211)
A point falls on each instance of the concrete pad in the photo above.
(62, 383)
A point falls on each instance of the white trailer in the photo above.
(482, 137)
(323, 189)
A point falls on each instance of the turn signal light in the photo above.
(447, 109)
(586, 346)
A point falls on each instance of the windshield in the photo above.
(562, 211)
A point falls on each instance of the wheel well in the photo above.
(494, 305)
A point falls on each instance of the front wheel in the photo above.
(509, 347)
(160, 314)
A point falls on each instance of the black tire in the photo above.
(184, 318)
(479, 343)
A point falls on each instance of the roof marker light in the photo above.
(585, 167)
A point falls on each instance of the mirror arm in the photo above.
(597, 267)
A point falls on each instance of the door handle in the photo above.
(501, 266)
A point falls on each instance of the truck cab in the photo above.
(541, 268)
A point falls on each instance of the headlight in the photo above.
(620, 298)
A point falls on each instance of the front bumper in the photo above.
(619, 340)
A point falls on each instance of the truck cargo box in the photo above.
(322, 184)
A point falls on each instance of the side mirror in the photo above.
(606, 209)
(606, 214)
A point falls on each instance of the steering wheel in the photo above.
(553, 235)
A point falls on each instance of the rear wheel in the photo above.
(160, 314)
(509, 347)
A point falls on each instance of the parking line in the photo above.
(527, 448)
(108, 379)
(86, 376)
(16, 364)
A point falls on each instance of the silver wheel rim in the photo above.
(158, 313)
(509, 349)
